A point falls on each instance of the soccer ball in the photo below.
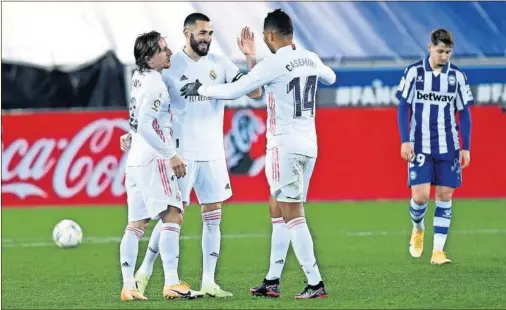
(67, 234)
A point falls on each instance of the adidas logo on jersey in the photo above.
(227, 186)
(184, 78)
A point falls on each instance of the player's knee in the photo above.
(172, 215)
(142, 224)
(210, 207)
(444, 193)
(290, 210)
(274, 209)
(420, 197)
(420, 194)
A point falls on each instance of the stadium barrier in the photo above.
(72, 158)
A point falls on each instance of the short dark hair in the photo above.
(192, 19)
(441, 35)
(146, 46)
(279, 21)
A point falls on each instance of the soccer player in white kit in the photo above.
(290, 79)
(198, 139)
(152, 171)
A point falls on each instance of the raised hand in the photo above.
(246, 42)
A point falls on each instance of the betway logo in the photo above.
(434, 97)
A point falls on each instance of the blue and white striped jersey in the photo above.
(434, 99)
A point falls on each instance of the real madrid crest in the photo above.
(213, 75)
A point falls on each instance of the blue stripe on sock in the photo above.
(417, 215)
(443, 212)
(440, 230)
(416, 211)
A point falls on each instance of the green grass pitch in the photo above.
(362, 249)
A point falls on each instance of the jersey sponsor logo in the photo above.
(213, 75)
(434, 97)
(183, 78)
(199, 98)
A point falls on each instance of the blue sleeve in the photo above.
(403, 121)
(465, 127)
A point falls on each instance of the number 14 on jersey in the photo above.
(303, 101)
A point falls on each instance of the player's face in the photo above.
(200, 37)
(161, 60)
(268, 39)
(440, 53)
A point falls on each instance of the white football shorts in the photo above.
(209, 179)
(150, 190)
(288, 174)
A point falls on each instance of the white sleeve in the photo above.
(404, 91)
(232, 72)
(149, 127)
(325, 74)
(464, 94)
(260, 75)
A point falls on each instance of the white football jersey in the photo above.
(290, 78)
(198, 121)
(150, 119)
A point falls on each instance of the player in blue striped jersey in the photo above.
(430, 93)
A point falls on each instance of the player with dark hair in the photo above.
(198, 139)
(290, 78)
(433, 90)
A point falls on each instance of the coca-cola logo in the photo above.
(81, 163)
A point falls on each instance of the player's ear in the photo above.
(186, 32)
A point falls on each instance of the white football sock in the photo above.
(169, 252)
(211, 238)
(128, 250)
(417, 213)
(280, 242)
(302, 244)
(442, 219)
(152, 251)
